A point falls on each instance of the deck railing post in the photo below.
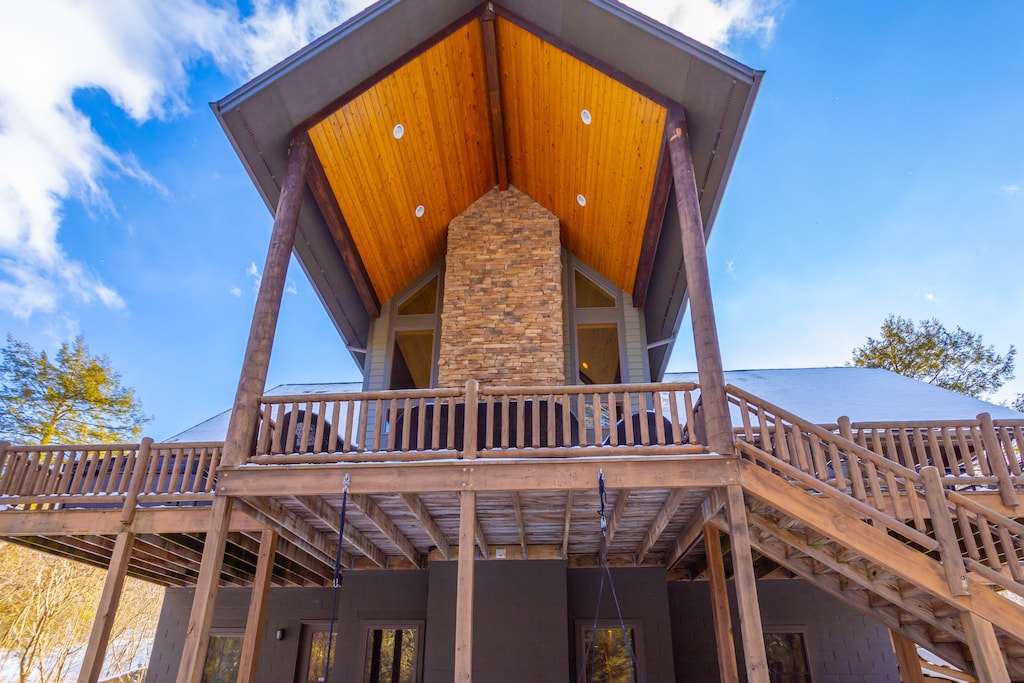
(996, 461)
(240, 441)
(718, 424)
(469, 438)
(945, 533)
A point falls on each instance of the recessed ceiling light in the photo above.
(585, 115)
(581, 200)
(399, 131)
(420, 210)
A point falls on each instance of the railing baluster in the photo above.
(421, 424)
(332, 437)
(489, 417)
(599, 422)
(506, 428)
(551, 420)
(566, 422)
(645, 432)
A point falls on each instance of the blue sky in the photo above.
(882, 172)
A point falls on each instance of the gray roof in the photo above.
(716, 91)
(821, 395)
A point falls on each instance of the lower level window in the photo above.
(787, 658)
(315, 660)
(609, 654)
(392, 654)
(223, 656)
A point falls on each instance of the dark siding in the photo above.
(843, 645)
(643, 596)
(519, 622)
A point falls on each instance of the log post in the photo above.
(997, 461)
(989, 663)
(756, 660)
(470, 426)
(717, 421)
(907, 659)
(727, 669)
(945, 534)
(113, 583)
(256, 620)
(197, 635)
(241, 434)
(464, 588)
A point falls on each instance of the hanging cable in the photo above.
(337, 575)
(603, 562)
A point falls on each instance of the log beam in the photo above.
(652, 232)
(989, 664)
(325, 199)
(694, 529)
(517, 506)
(661, 520)
(494, 93)
(241, 434)
(197, 634)
(297, 531)
(332, 518)
(464, 589)
(907, 659)
(617, 511)
(256, 619)
(754, 657)
(419, 511)
(718, 425)
(380, 519)
(567, 524)
(727, 669)
(110, 598)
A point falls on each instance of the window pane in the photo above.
(424, 301)
(589, 295)
(787, 658)
(316, 664)
(222, 659)
(390, 656)
(607, 658)
(598, 347)
(412, 360)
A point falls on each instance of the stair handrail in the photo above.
(998, 536)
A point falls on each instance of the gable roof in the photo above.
(424, 67)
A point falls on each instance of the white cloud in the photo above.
(1010, 190)
(715, 22)
(235, 291)
(139, 53)
(290, 288)
(730, 267)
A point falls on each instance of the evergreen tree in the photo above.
(952, 359)
(75, 398)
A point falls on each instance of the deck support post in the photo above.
(727, 669)
(718, 425)
(241, 435)
(756, 660)
(464, 587)
(989, 663)
(907, 659)
(197, 635)
(113, 583)
(256, 619)
(997, 461)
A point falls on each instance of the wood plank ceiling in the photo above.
(444, 158)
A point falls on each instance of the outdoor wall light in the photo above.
(281, 633)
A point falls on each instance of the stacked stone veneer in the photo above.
(502, 318)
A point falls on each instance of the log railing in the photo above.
(101, 475)
(917, 507)
(478, 421)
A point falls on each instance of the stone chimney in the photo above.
(502, 319)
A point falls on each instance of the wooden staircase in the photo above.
(896, 544)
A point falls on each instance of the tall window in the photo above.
(596, 318)
(391, 653)
(608, 654)
(314, 646)
(413, 349)
(787, 658)
(223, 657)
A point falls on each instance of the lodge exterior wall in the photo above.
(502, 321)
